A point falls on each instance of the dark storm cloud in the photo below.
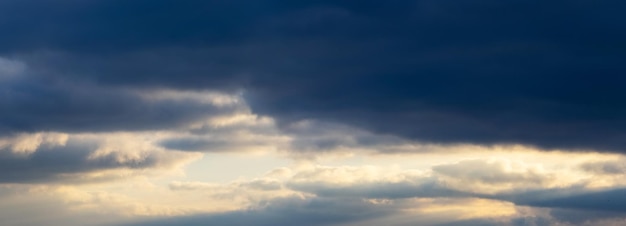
(615, 167)
(32, 105)
(117, 25)
(540, 73)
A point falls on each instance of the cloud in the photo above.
(611, 200)
(587, 217)
(286, 211)
(342, 211)
(239, 131)
(319, 194)
(411, 69)
(615, 167)
(494, 176)
(517, 184)
(10, 68)
(92, 91)
(257, 184)
(35, 105)
(368, 183)
(35, 205)
(75, 158)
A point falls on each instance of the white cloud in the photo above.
(25, 144)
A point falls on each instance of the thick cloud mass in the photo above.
(487, 75)
(32, 106)
(534, 72)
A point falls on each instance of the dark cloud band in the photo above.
(547, 74)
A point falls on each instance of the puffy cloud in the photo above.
(26, 144)
(53, 157)
(368, 182)
(494, 176)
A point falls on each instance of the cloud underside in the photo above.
(371, 196)
(432, 71)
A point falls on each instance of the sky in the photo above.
(312, 112)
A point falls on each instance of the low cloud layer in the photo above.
(32, 104)
(54, 158)
(404, 197)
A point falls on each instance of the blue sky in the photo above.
(312, 112)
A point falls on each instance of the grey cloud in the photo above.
(529, 196)
(617, 167)
(68, 163)
(380, 190)
(588, 217)
(490, 173)
(573, 205)
(609, 200)
(303, 138)
(433, 71)
(208, 144)
(197, 144)
(33, 104)
(286, 211)
(267, 185)
(539, 73)
(310, 136)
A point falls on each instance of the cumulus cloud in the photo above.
(43, 157)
